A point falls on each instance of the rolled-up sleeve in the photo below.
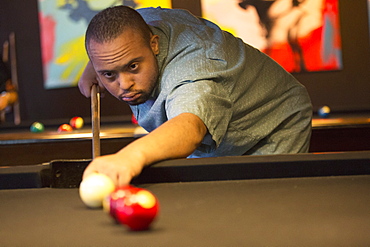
(207, 101)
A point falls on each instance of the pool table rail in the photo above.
(68, 173)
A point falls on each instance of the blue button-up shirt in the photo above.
(249, 103)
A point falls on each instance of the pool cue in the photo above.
(95, 120)
(14, 76)
(5, 59)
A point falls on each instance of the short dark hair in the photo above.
(111, 22)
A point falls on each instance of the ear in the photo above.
(154, 44)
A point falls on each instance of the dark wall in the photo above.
(345, 90)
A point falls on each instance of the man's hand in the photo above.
(176, 138)
(88, 78)
(119, 168)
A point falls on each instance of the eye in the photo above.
(108, 75)
(134, 66)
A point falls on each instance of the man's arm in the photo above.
(176, 138)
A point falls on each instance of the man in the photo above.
(8, 95)
(199, 91)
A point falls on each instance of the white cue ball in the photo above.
(94, 188)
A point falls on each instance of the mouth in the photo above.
(130, 97)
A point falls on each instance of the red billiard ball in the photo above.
(133, 120)
(134, 207)
(76, 122)
(65, 128)
(110, 202)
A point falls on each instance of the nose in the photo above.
(125, 81)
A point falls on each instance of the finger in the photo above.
(85, 87)
(88, 171)
(101, 86)
(123, 180)
(87, 79)
(87, 90)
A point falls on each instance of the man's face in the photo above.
(127, 66)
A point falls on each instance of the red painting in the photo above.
(301, 35)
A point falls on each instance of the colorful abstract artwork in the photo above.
(62, 27)
(301, 35)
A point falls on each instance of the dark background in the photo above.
(347, 90)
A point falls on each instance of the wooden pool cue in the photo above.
(95, 120)
(10, 57)
(14, 76)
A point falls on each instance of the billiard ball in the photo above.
(133, 119)
(76, 122)
(110, 201)
(37, 127)
(324, 111)
(65, 128)
(134, 207)
(94, 188)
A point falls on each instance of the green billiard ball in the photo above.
(37, 127)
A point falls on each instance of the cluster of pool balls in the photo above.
(133, 207)
(74, 123)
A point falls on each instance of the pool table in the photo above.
(312, 199)
(18, 146)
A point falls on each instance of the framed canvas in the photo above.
(301, 35)
(62, 27)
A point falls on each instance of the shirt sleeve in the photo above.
(207, 100)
